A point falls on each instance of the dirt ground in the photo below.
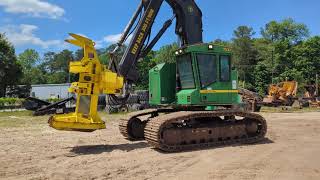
(31, 150)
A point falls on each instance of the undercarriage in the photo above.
(171, 131)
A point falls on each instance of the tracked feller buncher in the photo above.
(194, 96)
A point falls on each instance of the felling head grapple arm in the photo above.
(94, 79)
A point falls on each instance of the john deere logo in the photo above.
(190, 9)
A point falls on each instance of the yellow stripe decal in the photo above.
(218, 91)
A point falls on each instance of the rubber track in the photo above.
(155, 126)
(124, 122)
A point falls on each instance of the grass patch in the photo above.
(20, 119)
(16, 113)
(26, 119)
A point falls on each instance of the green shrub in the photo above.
(2, 102)
(53, 100)
(10, 102)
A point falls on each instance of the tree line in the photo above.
(282, 50)
(285, 51)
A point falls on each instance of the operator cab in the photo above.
(204, 76)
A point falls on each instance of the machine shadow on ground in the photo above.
(98, 149)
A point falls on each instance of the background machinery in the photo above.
(41, 107)
(252, 101)
(311, 94)
(194, 96)
(283, 93)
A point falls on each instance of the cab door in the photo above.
(225, 83)
(208, 76)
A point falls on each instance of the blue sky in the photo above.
(44, 24)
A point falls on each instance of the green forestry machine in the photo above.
(196, 97)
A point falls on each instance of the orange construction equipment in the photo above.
(282, 93)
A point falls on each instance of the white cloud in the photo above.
(24, 35)
(114, 38)
(35, 8)
(99, 44)
(110, 39)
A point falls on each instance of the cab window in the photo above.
(225, 68)
(185, 71)
(207, 68)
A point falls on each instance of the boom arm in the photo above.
(188, 28)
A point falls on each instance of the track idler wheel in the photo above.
(136, 128)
